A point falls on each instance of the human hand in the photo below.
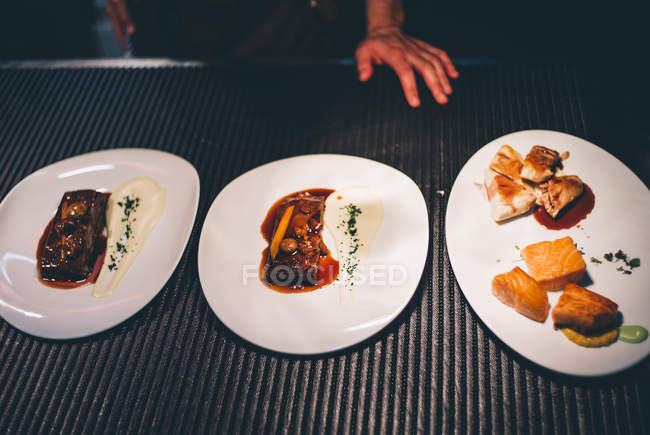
(404, 53)
(123, 26)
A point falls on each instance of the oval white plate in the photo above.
(231, 244)
(46, 312)
(619, 221)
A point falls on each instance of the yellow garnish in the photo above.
(603, 339)
(279, 233)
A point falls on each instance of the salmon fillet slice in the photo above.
(584, 310)
(521, 292)
(554, 264)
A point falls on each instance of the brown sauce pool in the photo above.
(328, 267)
(571, 215)
(100, 252)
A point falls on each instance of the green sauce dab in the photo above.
(632, 333)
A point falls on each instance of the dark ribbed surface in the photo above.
(174, 367)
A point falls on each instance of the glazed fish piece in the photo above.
(540, 164)
(68, 252)
(507, 198)
(293, 259)
(507, 162)
(558, 192)
(554, 264)
(521, 292)
(583, 310)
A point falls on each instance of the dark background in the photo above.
(608, 45)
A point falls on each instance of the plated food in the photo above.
(553, 264)
(71, 191)
(515, 186)
(608, 248)
(71, 249)
(380, 245)
(133, 211)
(297, 258)
(520, 291)
(585, 317)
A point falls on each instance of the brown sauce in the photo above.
(98, 254)
(328, 267)
(571, 215)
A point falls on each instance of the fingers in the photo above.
(123, 13)
(364, 63)
(404, 54)
(396, 59)
(439, 70)
(123, 26)
(431, 78)
(440, 54)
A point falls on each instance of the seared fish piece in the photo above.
(558, 192)
(507, 162)
(507, 198)
(540, 163)
(521, 292)
(554, 264)
(583, 310)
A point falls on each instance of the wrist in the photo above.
(383, 29)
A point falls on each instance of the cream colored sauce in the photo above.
(128, 232)
(352, 262)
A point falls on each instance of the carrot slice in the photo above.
(282, 229)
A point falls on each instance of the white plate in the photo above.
(46, 312)
(231, 246)
(619, 221)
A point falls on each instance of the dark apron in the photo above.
(246, 28)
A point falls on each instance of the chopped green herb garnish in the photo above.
(635, 262)
(595, 260)
(609, 256)
(517, 247)
(349, 222)
(129, 206)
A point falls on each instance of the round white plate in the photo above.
(231, 244)
(46, 312)
(479, 249)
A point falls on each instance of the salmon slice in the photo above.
(554, 264)
(507, 198)
(507, 162)
(583, 310)
(521, 292)
(539, 164)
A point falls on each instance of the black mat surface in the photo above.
(174, 367)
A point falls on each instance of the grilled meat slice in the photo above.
(507, 198)
(540, 164)
(558, 192)
(68, 250)
(507, 162)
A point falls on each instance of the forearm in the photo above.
(384, 14)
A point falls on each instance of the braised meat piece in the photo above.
(68, 246)
(295, 250)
